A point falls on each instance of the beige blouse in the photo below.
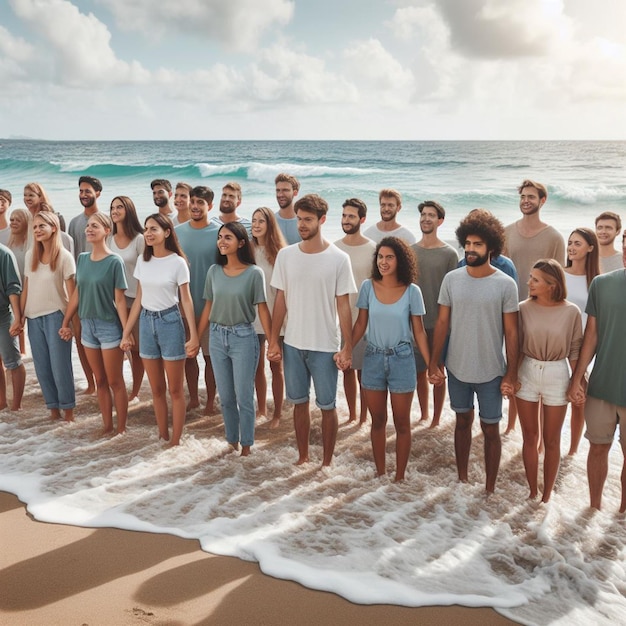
(550, 333)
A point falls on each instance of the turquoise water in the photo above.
(584, 178)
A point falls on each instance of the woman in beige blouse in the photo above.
(550, 335)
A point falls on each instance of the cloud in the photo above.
(238, 24)
(79, 45)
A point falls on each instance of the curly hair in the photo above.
(407, 263)
(485, 225)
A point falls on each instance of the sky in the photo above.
(313, 69)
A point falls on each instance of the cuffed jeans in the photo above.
(234, 352)
(52, 357)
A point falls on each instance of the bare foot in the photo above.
(105, 432)
(275, 423)
(434, 424)
(122, 431)
(424, 418)
(211, 409)
(362, 423)
(351, 419)
(165, 436)
(193, 404)
(302, 460)
(90, 391)
(69, 415)
(245, 450)
(509, 430)
(398, 479)
(173, 444)
(55, 414)
(234, 446)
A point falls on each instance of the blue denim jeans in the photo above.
(234, 352)
(52, 357)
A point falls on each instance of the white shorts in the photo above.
(545, 380)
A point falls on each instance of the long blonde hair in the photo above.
(55, 243)
(24, 214)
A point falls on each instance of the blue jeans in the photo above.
(234, 352)
(52, 357)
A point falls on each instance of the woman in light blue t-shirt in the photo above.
(391, 309)
(234, 288)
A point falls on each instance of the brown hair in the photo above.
(288, 178)
(609, 215)
(592, 260)
(541, 189)
(312, 203)
(274, 239)
(390, 193)
(554, 276)
(56, 244)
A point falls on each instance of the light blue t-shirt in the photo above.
(390, 324)
(289, 228)
(200, 248)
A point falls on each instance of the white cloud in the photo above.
(235, 23)
(79, 44)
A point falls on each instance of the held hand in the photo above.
(509, 387)
(436, 376)
(65, 332)
(16, 328)
(576, 393)
(125, 343)
(274, 352)
(343, 360)
(192, 348)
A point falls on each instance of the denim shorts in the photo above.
(162, 334)
(100, 334)
(389, 368)
(9, 347)
(543, 380)
(301, 366)
(489, 398)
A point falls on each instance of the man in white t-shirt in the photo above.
(361, 251)
(314, 281)
(390, 205)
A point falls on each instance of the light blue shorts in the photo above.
(301, 366)
(488, 394)
(100, 334)
(162, 334)
(390, 369)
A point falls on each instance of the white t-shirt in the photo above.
(129, 255)
(402, 232)
(311, 283)
(160, 279)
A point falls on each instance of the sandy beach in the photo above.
(56, 574)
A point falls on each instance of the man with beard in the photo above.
(390, 204)
(361, 251)
(162, 195)
(435, 258)
(608, 226)
(230, 200)
(314, 281)
(478, 305)
(89, 190)
(287, 187)
(198, 239)
(529, 239)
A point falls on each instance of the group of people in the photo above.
(410, 315)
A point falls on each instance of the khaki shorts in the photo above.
(602, 418)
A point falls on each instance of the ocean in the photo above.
(427, 541)
(583, 178)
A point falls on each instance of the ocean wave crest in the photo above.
(266, 172)
(588, 195)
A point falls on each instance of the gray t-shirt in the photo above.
(76, 230)
(432, 265)
(476, 327)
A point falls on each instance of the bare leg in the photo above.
(175, 371)
(18, 380)
(84, 360)
(377, 405)
(493, 450)
(105, 401)
(156, 377)
(401, 408)
(597, 470)
(68, 415)
(55, 414)
(439, 396)
(278, 391)
(363, 398)
(349, 388)
(513, 410)
(622, 507)
(113, 360)
(302, 426)
(260, 381)
(529, 421)
(577, 426)
(192, 374)
(209, 381)
(463, 442)
(553, 417)
(136, 366)
(3, 387)
(329, 434)
(423, 393)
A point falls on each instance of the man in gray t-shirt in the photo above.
(478, 305)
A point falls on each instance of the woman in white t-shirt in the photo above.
(267, 240)
(162, 273)
(49, 272)
(127, 241)
(391, 308)
(583, 265)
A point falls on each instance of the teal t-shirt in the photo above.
(200, 248)
(10, 284)
(607, 303)
(96, 282)
(234, 297)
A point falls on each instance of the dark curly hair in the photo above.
(407, 263)
(483, 224)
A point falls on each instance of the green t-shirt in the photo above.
(607, 303)
(96, 282)
(234, 297)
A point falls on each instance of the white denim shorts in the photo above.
(545, 380)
